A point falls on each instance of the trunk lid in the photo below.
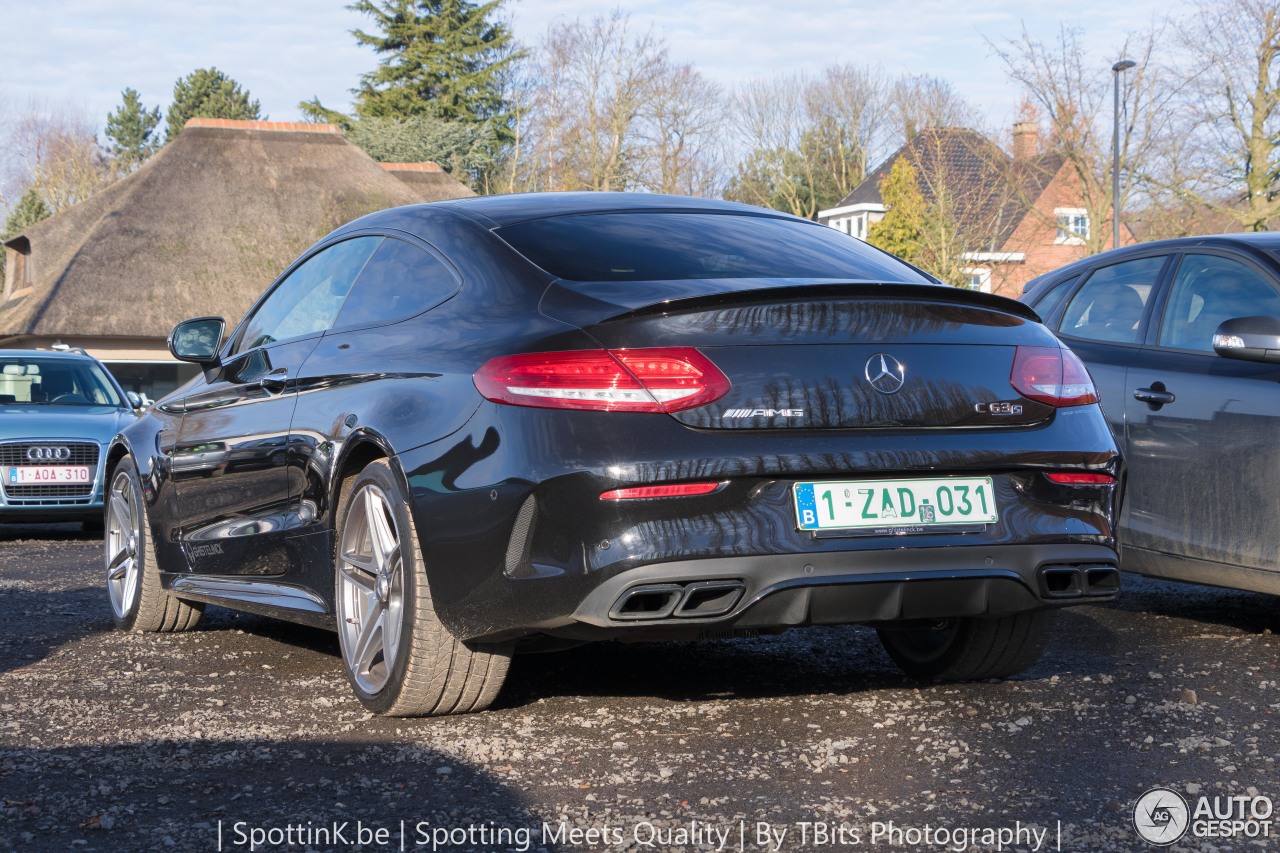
(825, 356)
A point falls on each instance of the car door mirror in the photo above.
(197, 340)
(135, 400)
(1249, 339)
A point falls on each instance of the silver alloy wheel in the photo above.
(370, 589)
(120, 545)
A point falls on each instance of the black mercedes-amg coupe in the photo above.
(459, 430)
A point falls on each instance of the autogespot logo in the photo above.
(1161, 816)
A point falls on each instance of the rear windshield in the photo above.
(674, 246)
(31, 380)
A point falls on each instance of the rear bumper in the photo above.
(699, 598)
(518, 543)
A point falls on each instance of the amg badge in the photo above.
(763, 413)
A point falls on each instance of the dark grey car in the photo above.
(1183, 340)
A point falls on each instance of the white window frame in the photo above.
(982, 274)
(1070, 235)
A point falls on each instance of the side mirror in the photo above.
(197, 340)
(135, 400)
(1249, 339)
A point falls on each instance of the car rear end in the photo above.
(743, 455)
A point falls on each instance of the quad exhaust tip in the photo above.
(697, 600)
(1059, 582)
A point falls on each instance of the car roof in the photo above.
(1255, 243)
(502, 210)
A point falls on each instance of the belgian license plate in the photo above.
(895, 503)
(38, 475)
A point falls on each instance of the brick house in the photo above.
(200, 229)
(1021, 215)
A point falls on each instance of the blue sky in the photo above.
(84, 52)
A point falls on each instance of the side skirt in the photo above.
(276, 600)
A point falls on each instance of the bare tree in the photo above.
(1074, 94)
(601, 107)
(1228, 159)
(683, 133)
(772, 116)
(54, 150)
(849, 114)
(597, 83)
(811, 140)
(920, 101)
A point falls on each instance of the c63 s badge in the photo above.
(763, 413)
(1002, 407)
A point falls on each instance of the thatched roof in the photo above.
(202, 228)
(428, 179)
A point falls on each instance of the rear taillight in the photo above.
(663, 379)
(1080, 478)
(673, 490)
(1056, 377)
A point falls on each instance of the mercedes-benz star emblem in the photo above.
(48, 454)
(885, 373)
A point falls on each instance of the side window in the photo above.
(399, 281)
(310, 298)
(1109, 307)
(1052, 298)
(1208, 290)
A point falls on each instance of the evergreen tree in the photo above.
(462, 149)
(439, 57)
(208, 93)
(130, 130)
(29, 210)
(902, 230)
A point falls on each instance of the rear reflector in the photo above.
(661, 379)
(1074, 478)
(677, 490)
(1056, 377)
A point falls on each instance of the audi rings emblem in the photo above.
(885, 373)
(48, 454)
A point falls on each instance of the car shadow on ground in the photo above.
(64, 531)
(1249, 612)
(40, 623)
(180, 794)
(822, 661)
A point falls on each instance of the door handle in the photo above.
(1156, 395)
(275, 381)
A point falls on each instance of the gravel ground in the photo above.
(245, 727)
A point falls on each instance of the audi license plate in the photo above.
(895, 503)
(39, 475)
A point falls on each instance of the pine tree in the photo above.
(29, 210)
(208, 93)
(902, 230)
(439, 57)
(130, 130)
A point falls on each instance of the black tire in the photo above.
(138, 601)
(399, 658)
(968, 648)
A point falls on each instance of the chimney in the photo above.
(1026, 140)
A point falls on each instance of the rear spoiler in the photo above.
(586, 303)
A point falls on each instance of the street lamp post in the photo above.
(1122, 65)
